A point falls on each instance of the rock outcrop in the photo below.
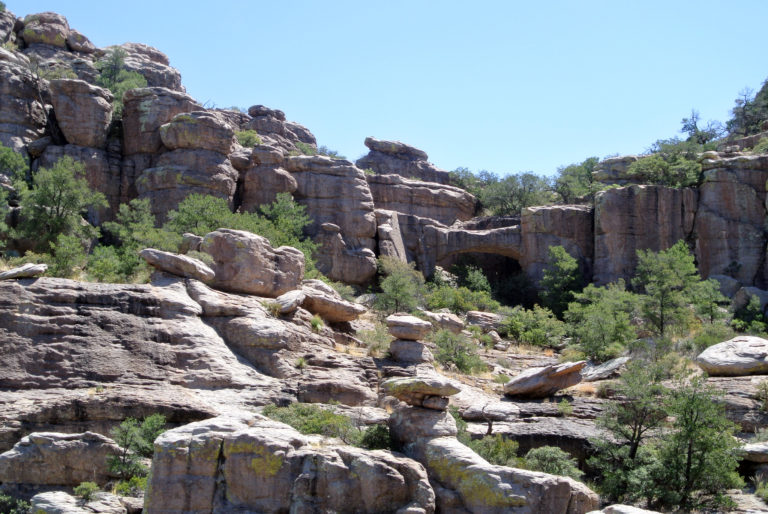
(323, 300)
(544, 381)
(408, 327)
(176, 264)
(83, 111)
(394, 157)
(60, 502)
(259, 465)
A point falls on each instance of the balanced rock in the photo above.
(51, 458)
(420, 391)
(176, 264)
(83, 111)
(408, 327)
(742, 355)
(247, 263)
(28, 270)
(266, 466)
(545, 381)
(387, 157)
(323, 300)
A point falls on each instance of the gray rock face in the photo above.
(394, 157)
(176, 264)
(743, 355)
(22, 115)
(411, 352)
(28, 270)
(755, 452)
(341, 263)
(247, 263)
(50, 458)
(409, 327)
(615, 170)
(638, 217)
(323, 300)
(544, 381)
(153, 65)
(390, 238)
(443, 203)
(83, 111)
(145, 110)
(260, 465)
(273, 128)
(59, 502)
(486, 320)
(420, 391)
(47, 28)
(198, 130)
(608, 369)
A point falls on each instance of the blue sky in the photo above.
(505, 86)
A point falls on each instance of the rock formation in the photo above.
(394, 157)
(742, 355)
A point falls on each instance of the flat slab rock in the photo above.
(408, 327)
(26, 271)
(60, 502)
(743, 355)
(177, 264)
(545, 381)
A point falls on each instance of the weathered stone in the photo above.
(635, 218)
(742, 355)
(493, 411)
(409, 352)
(486, 320)
(290, 301)
(38, 146)
(324, 301)
(408, 327)
(184, 172)
(623, 509)
(198, 130)
(744, 295)
(59, 502)
(439, 202)
(190, 243)
(445, 321)
(28, 270)
(176, 264)
(406, 388)
(389, 237)
(730, 237)
(388, 157)
(270, 467)
(339, 262)
(153, 65)
(615, 170)
(145, 111)
(262, 183)
(22, 115)
(729, 286)
(50, 458)
(569, 226)
(408, 424)
(79, 43)
(46, 28)
(83, 111)
(608, 369)
(754, 452)
(545, 381)
(247, 263)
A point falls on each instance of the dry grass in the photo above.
(583, 389)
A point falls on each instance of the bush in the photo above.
(312, 419)
(377, 339)
(114, 76)
(133, 487)
(565, 408)
(401, 288)
(317, 323)
(761, 146)
(561, 277)
(135, 440)
(496, 450)
(248, 138)
(376, 437)
(472, 278)
(460, 300)
(537, 326)
(68, 256)
(456, 350)
(11, 505)
(553, 460)
(85, 490)
(750, 318)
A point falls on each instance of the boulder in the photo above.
(247, 263)
(608, 369)
(744, 295)
(486, 320)
(412, 352)
(394, 157)
(323, 300)
(339, 262)
(145, 111)
(263, 180)
(50, 458)
(22, 115)
(83, 111)
(635, 218)
(390, 238)
(742, 355)
(153, 65)
(623, 509)
(408, 327)
(198, 130)
(729, 286)
(408, 424)
(445, 321)
(176, 264)
(615, 170)
(755, 452)
(290, 301)
(443, 203)
(47, 28)
(28, 270)
(79, 43)
(545, 381)
(267, 466)
(60, 502)
(273, 128)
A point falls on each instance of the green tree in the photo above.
(508, 196)
(749, 111)
(135, 440)
(553, 460)
(537, 326)
(699, 452)
(599, 320)
(457, 350)
(751, 318)
(12, 164)
(401, 288)
(561, 277)
(638, 411)
(472, 278)
(574, 183)
(701, 136)
(709, 301)
(69, 255)
(667, 280)
(114, 76)
(53, 203)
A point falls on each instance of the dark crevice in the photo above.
(237, 199)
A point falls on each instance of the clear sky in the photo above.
(506, 86)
